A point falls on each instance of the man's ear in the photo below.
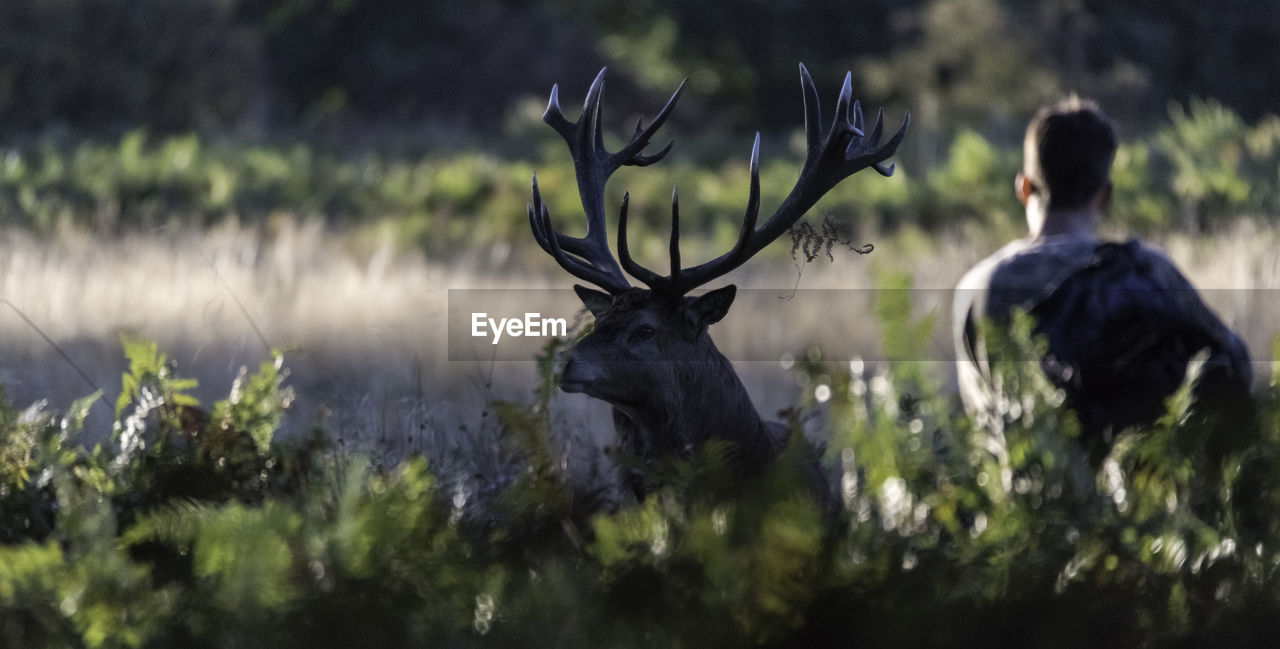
(708, 309)
(597, 302)
(1023, 187)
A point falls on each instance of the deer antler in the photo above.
(588, 258)
(842, 152)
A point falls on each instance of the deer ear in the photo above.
(708, 309)
(597, 302)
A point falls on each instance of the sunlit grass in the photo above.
(364, 318)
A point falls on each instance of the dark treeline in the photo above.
(354, 65)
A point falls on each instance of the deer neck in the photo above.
(707, 401)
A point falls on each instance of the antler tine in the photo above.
(753, 196)
(876, 132)
(753, 206)
(648, 277)
(631, 153)
(843, 121)
(843, 151)
(535, 223)
(888, 148)
(812, 110)
(675, 235)
(593, 114)
(554, 117)
(540, 220)
(878, 129)
(639, 160)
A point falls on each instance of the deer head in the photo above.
(641, 344)
(649, 354)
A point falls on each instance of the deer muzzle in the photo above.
(577, 377)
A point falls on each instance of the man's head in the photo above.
(1067, 155)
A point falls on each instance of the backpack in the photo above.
(1121, 333)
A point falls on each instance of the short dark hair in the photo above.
(1068, 151)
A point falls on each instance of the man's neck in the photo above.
(1081, 223)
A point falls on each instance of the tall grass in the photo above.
(365, 330)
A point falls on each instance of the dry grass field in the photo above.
(364, 331)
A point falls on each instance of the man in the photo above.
(1121, 321)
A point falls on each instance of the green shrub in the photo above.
(1221, 166)
(1138, 201)
(1204, 168)
(976, 182)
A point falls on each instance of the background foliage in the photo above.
(424, 116)
(211, 63)
(1205, 167)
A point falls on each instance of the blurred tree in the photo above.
(1186, 49)
(107, 63)
(982, 64)
(962, 64)
(989, 64)
(463, 63)
(742, 56)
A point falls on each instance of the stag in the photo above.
(649, 354)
